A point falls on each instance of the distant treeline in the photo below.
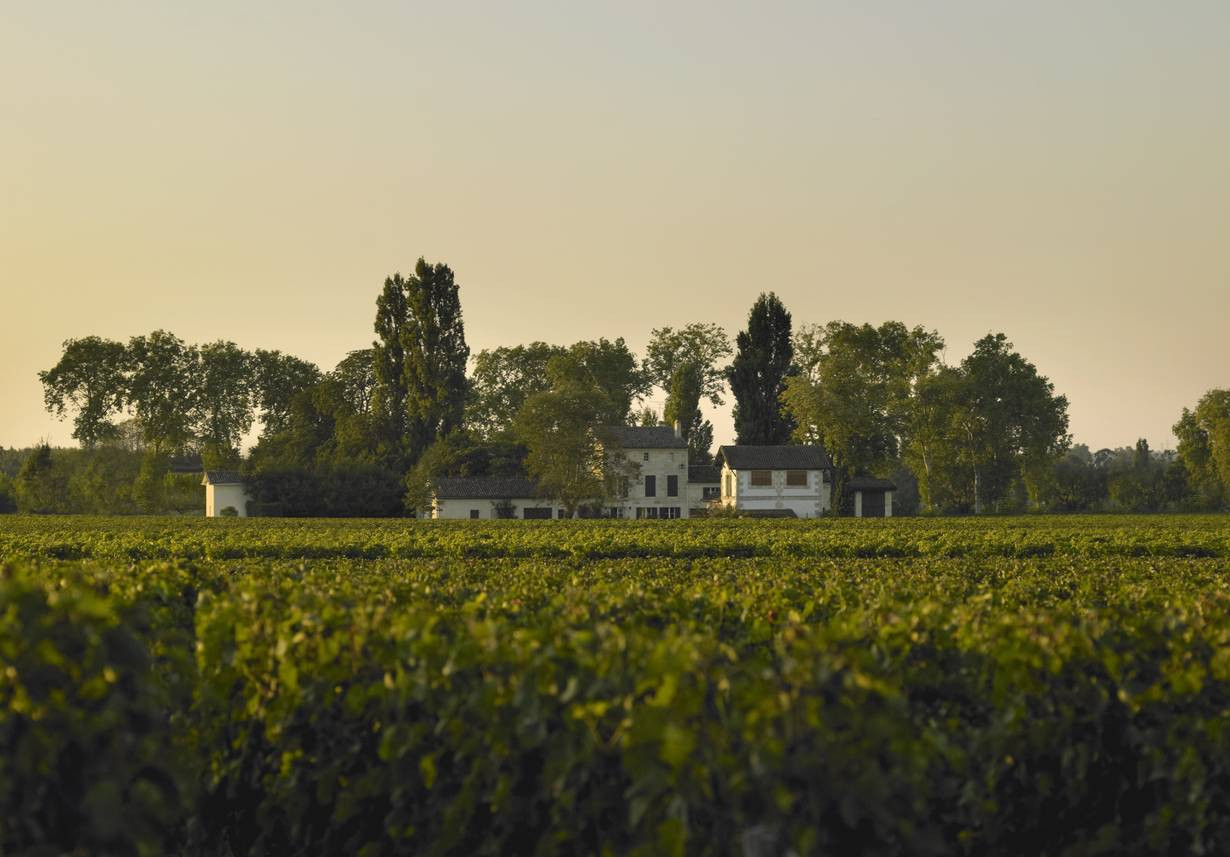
(367, 438)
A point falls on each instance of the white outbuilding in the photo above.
(224, 490)
(873, 498)
(792, 481)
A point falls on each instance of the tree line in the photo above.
(368, 437)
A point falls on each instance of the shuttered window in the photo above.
(762, 478)
(796, 478)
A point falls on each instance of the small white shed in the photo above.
(224, 490)
(873, 498)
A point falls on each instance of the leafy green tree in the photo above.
(223, 402)
(683, 407)
(763, 361)
(8, 495)
(561, 430)
(42, 488)
(1204, 448)
(984, 426)
(149, 491)
(503, 378)
(90, 378)
(423, 314)
(942, 441)
(854, 390)
(684, 362)
(611, 368)
(277, 379)
(388, 355)
(163, 389)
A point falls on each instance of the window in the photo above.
(536, 514)
(474, 513)
(672, 486)
(796, 478)
(623, 486)
(644, 456)
(560, 513)
(762, 478)
(729, 486)
(651, 486)
(659, 512)
(711, 492)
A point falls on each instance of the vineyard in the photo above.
(1040, 686)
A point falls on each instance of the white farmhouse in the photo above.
(224, 490)
(651, 475)
(776, 481)
(487, 497)
(652, 467)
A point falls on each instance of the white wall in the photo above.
(806, 502)
(457, 510)
(218, 497)
(636, 464)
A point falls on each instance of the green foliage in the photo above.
(8, 495)
(502, 379)
(91, 761)
(983, 433)
(419, 360)
(764, 359)
(854, 393)
(89, 377)
(1204, 448)
(41, 485)
(561, 433)
(1004, 687)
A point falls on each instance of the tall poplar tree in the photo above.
(433, 342)
(757, 377)
(419, 361)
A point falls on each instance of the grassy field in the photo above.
(998, 686)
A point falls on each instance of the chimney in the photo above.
(678, 429)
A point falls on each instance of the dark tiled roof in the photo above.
(797, 457)
(644, 437)
(484, 488)
(870, 483)
(186, 464)
(703, 474)
(222, 477)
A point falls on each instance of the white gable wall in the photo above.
(806, 502)
(218, 497)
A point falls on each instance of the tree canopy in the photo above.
(764, 359)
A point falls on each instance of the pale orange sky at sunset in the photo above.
(1059, 172)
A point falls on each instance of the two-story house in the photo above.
(790, 481)
(650, 464)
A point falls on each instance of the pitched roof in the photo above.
(794, 457)
(704, 474)
(870, 483)
(484, 487)
(644, 437)
(222, 477)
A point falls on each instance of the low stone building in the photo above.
(489, 497)
(785, 481)
(224, 490)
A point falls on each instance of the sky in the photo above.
(1056, 171)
